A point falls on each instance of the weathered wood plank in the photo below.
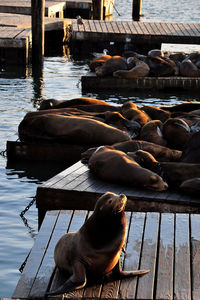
(145, 288)
(165, 274)
(35, 258)
(132, 256)
(182, 275)
(195, 255)
(44, 274)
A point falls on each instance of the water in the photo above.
(61, 80)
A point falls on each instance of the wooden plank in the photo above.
(195, 255)
(164, 286)
(145, 288)
(62, 174)
(46, 269)
(36, 256)
(182, 275)
(132, 256)
(110, 289)
(77, 221)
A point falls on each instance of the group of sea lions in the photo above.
(132, 65)
(159, 144)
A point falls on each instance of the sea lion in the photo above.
(111, 65)
(152, 132)
(161, 66)
(98, 61)
(182, 107)
(160, 153)
(131, 112)
(156, 113)
(189, 69)
(69, 129)
(53, 103)
(141, 69)
(191, 153)
(146, 160)
(177, 132)
(156, 53)
(115, 166)
(95, 249)
(191, 186)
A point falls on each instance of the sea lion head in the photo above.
(110, 204)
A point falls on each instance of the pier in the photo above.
(77, 188)
(165, 243)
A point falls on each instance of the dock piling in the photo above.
(97, 9)
(136, 12)
(37, 7)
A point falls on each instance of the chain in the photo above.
(27, 207)
(3, 153)
(24, 263)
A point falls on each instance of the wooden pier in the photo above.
(77, 188)
(16, 37)
(52, 8)
(166, 243)
(91, 83)
(144, 35)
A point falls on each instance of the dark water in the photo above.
(20, 93)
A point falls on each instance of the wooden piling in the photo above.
(97, 9)
(37, 7)
(136, 12)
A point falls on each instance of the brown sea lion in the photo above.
(68, 129)
(183, 107)
(111, 65)
(177, 132)
(141, 69)
(189, 69)
(131, 112)
(98, 61)
(115, 166)
(161, 66)
(146, 160)
(191, 186)
(152, 132)
(160, 153)
(156, 113)
(53, 103)
(191, 151)
(95, 249)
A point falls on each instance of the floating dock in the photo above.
(16, 36)
(166, 243)
(143, 35)
(91, 82)
(52, 8)
(77, 188)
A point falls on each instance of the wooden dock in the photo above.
(140, 34)
(77, 188)
(16, 37)
(52, 8)
(91, 82)
(166, 243)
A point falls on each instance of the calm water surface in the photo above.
(61, 80)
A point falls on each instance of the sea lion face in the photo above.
(110, 204)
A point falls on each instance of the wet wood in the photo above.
(150, 243)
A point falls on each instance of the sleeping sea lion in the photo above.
(98, 61)
(183, 107)
(191, 186)
(146, 160)
(131, 112)
(111, 65)
(152, 132)
(156, 113)
(141, 69)
(95, 249)
(115, 166)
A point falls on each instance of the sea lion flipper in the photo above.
(76, 281)
(119, 274)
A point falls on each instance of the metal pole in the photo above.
(137, 5)
(97, 9)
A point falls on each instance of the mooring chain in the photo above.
(27, 207)
(3, 153)
(24, 263)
